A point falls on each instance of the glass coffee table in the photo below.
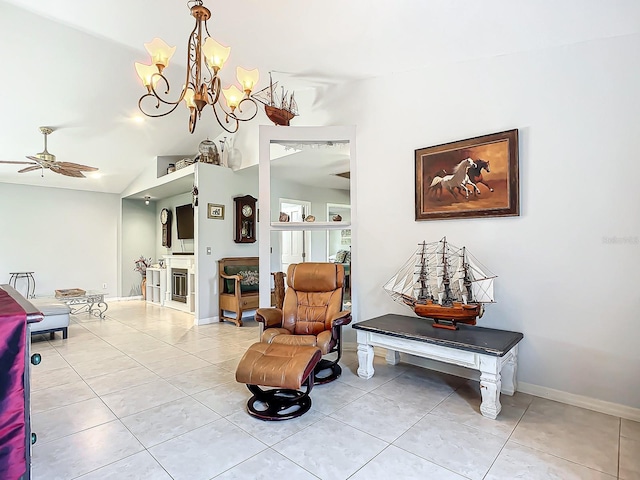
(91, 302)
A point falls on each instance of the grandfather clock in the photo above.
(165, 221)
(245, 218)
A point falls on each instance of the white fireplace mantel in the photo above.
(188, 263)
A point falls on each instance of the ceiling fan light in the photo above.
(215, 54)
(233, 96)
(247, 78)
(160, 53)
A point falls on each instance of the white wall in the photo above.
(562, 282)
(67, 237)
(138, 238)
(218, 185)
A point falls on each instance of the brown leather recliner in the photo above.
(311, 314)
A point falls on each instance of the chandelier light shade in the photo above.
(247, 78)
(202, 86)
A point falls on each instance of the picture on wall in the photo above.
(215, 211)
(476, 177)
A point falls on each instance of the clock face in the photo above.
(164, 215)
(247, 210)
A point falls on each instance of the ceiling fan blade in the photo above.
(67, 171)
(16, 163)
(30, 169)
(39, 161)
(76, 166)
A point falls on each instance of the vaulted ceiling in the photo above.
(69, 65)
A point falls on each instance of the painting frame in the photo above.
(501, 186)
(215, 211)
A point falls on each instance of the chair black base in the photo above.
(279, 403)
(324, 364)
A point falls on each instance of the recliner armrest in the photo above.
(341, 318)
(270, 317)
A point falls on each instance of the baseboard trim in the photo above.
(602, 406)
(124, 299)
(207, 320)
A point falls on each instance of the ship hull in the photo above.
(278, 116)
(457, 313)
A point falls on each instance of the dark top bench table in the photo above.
(493, 352)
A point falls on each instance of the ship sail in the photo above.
(481, 282)
(402, 283)
(441, 280)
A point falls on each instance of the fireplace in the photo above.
(179, 289)
(180, 275)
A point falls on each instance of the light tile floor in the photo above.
(144, 394)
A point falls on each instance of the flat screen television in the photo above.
(184, 221)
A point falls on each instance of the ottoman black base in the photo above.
(279, 404)
(324, 364)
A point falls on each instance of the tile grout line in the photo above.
(619, 446)
(507, 440)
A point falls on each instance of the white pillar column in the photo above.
(490, 383)
(393, 357)
(365, 356)
(509, 371)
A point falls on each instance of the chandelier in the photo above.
(202, 87)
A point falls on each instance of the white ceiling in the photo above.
(316, 164)
(69, 65)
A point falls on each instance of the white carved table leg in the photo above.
(365, 360)
(393, 357)
(509, 370)
(490, 384)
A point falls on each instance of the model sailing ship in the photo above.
(445, 283)
(279, 108)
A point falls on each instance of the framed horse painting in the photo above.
(476, 177)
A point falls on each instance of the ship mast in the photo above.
(447, 300)
(422, 276)
(467, 280)
(271, 89)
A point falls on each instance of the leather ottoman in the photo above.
(286, 367)
(56, 317)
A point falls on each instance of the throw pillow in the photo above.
(340, 256)
(250, 278)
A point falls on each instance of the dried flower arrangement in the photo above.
(142, 264)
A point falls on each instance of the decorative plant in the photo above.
(141, 265)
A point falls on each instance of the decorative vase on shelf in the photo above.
(143, 287)
(233, 155)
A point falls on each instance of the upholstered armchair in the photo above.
(311, 314)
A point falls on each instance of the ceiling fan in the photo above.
(45, 159)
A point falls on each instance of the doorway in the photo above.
(295, 246)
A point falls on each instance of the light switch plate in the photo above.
(208, 250)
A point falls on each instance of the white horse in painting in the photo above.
(459, 178)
